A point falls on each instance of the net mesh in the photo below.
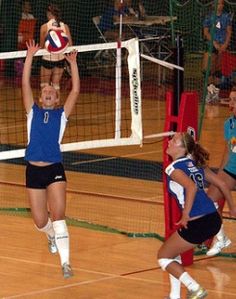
(94, 118)
(99, 115)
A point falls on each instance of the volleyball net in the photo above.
(104, 190)
(103, 120)
(112, 181)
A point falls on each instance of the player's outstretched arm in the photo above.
(27, 93)
(75, 90)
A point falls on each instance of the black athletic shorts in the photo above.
(230, 174)
(201, 229)
(51, 64)
(40, 177)
(209, 49)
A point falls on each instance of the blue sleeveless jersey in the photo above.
(222, 22)
(230, 137)
(45, 129)
(202, 203)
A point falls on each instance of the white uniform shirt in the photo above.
(53, 24)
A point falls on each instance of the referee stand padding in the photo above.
(186, 120)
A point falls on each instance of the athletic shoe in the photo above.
(67, 271)
(218, 246)
(212, 96)
(202, 247)
(52, 247)
(198, 294)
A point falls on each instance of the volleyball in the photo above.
(56, 41)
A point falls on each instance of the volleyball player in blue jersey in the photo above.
(220, 25)
(45, 176)
(199, 220)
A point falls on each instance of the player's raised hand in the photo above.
(71, 57)
(32, 47)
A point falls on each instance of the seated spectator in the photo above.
(111, 17)
(136, 8)
(221, 40)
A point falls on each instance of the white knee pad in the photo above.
(178, 259)
(164, 263)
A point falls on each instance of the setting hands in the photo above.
(32, 47)
(71, 57)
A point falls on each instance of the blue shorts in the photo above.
(40, 177)
(201, 229)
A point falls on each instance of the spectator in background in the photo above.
(53, 65)
(26, 11)
(26, 26)
(111, 17)
(136, 8)
(222, 34)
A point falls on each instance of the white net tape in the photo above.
(135, 135)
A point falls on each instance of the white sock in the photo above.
(62, 240)
(48, 229)
(221, 234)
(189, 282)
(175, 287)
(175, 284)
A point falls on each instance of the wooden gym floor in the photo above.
(106, 265)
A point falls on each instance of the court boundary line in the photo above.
(109, 276)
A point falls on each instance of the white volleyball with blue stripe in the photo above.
(56, 41)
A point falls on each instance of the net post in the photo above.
(178, 52)
(186, 120)
(118, 91)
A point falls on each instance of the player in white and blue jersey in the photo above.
(45, 175)
(199, 220)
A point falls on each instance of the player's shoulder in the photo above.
(226, 16)
(177, 164)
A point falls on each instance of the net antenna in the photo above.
(133, 135)
(119, 74)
